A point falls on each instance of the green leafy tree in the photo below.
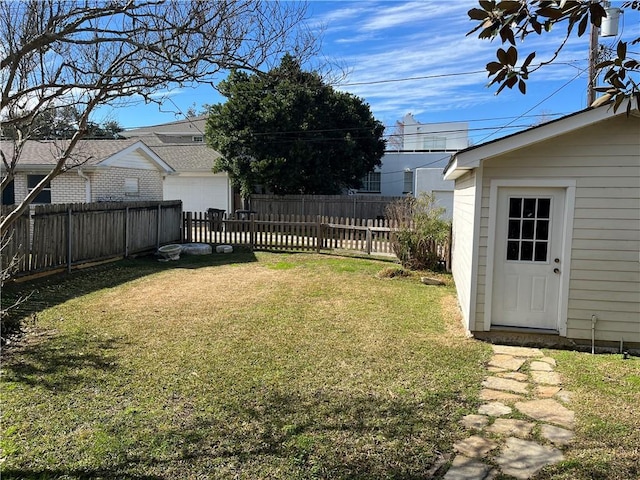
(291, 133)
(512, 20)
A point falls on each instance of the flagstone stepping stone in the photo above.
(517, 351)
(494, 409)
(477, 422)
(488, 395)
(521, 377)
(511, 426)
(546, 391)
(496, 383)
(548, 378)
(522, 458)
(496, 369)
(551, 361)
(557, 435)
(507, 362)
(541, 366)
(547, 410)
(474, 446)
(465, 468)
(564, 396)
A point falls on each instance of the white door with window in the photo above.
(528, 260)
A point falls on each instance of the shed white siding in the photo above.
(604, 160)
(462, 246)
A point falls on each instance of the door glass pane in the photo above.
(529, 210)
(513, 250)
(515, 207)
(544, 205)
(514, 229)
(541, 252)
(527, 251)
(527, 228)
(542, 230)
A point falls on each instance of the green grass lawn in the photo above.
(276, 366)
(236, 366)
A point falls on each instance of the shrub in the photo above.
(421, 232)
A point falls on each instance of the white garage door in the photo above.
(198, 193)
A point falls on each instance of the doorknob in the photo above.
(556, 270)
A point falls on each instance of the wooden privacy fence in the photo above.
(64, 235)
(295, 232)
(337, 206)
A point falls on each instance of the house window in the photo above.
(131, 187)
(433, 142)
(198, 138)
(45, 194)
(371, 183)
(8, 194)
(408, 182)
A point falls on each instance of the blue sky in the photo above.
(414, 56)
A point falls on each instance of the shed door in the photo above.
(527, 261)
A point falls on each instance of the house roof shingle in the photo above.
(87, 152)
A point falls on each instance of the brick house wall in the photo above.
(109, 184)
(106, 185)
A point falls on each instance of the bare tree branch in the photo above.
(84, 54)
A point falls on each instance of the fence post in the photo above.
(69, 240)
(158, 226)
(319, 239)
(126, 232)
(188, 227)
(252, 230)
(369, 236)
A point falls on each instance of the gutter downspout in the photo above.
(87, 186)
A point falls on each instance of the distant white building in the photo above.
(438, 137)
(418, 166)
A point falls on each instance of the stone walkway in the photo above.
(523, 425)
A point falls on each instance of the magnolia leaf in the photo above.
(477, 14)
(621, 50)
(509, 6)
(493, 67)
(601, 100)
(528, 60)
(522, 86)
(487, 5)
(549, 12)
(537, 26)
(582, 26)
(597, 13)
(604, 64)
(619, 99)
(511, 81)
(512, 56)
(502, 56)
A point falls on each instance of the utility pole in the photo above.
(609, 28)
(593, 57)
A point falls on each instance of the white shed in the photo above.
(546, 232)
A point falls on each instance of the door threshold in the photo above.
(508, 328)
